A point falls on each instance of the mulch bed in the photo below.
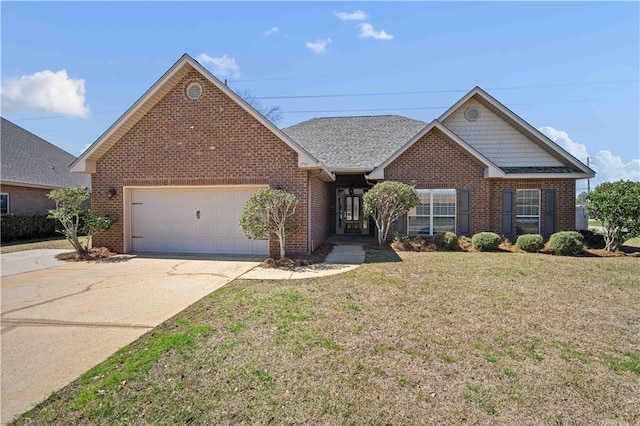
(318, 256)
(98, 253)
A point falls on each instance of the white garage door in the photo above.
(191, 220)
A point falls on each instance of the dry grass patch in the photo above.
(407, 338)
(51, 243)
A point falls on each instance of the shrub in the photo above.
(566, 243)
(446, 241)
(24, 226)
(485, 241)
(401, 242)
(530, 242)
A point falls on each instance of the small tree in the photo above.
(75, 217)
(617, 206)
(266, 214)
(386, 202)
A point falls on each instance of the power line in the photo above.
(444, 107)
(415, 92)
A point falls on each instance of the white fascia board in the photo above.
(83, 166)
(29, 185)
(549, 176)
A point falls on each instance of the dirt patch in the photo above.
(95, 254)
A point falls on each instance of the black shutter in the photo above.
(507, 213)
(549, 212)
(400, 225)
(465, 207)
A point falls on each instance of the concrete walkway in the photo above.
(343, 258)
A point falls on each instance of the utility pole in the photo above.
(588, 180)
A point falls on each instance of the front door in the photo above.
(350, 220)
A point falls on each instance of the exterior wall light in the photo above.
(111, 192)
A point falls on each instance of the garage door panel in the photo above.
(167, 221)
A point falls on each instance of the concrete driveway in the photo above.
(59, 322)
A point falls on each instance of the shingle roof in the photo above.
(30, 159)
(509, 170)
(354, 142)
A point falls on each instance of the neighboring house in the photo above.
(177, 168)
(31, 168)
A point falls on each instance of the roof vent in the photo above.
(471, 114)
(194, 91)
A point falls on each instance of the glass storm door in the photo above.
(350, 219)
(352, 214)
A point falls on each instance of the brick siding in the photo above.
(209, 141)
(437, 162)
(25, 200)
(319, 197)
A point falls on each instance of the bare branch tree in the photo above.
(273, 113)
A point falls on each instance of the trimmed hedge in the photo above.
(530, 242)
(446, 241)
(566, 243)
(486, 241)
(25, 226)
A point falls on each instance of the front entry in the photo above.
(350, 220)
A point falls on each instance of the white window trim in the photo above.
(7, 194)
(524, 216)
(431, 215)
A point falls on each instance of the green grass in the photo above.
(593, 222)
(52, 243)
(413, 338)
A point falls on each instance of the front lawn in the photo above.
(408, 338)
(60, 243)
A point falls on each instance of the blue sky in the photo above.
(570, 68)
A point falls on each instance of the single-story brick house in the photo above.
(183, 160)
(31, 168)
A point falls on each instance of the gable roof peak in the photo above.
(86, 162)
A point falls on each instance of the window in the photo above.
(4, 203)
(436, 213)
(527, 211)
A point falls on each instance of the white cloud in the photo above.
(319, 46)
(356, 15)
(84, 148)
(46, 90)
(608, 167)
(223, 66)
(367, 31)
(271, 31)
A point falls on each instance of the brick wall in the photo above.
(319, 197)
(209, 141)
(24, 200)
(436, 162)
(565, 201)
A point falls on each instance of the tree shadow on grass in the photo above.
(380, 254)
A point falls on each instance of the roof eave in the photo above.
(549, 175)
(32, 185)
